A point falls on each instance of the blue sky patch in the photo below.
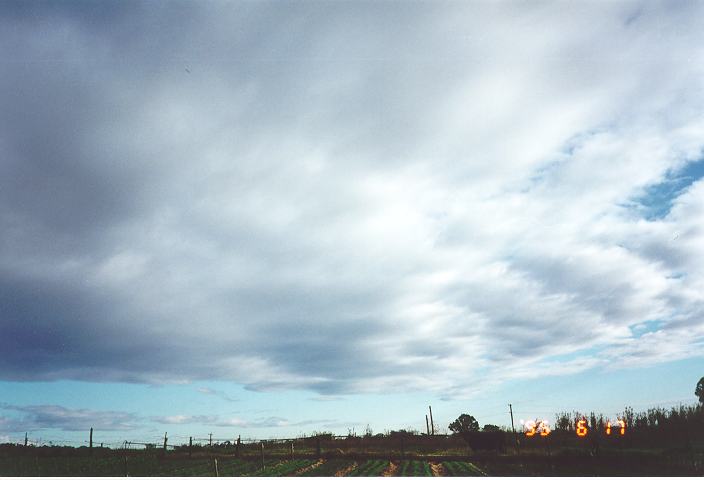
(657, 201)
(650, 326)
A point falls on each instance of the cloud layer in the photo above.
(35, 417)
(348, 197)
(55, 417)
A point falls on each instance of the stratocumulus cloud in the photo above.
(56, 417)
(347, 197)
(36, 417)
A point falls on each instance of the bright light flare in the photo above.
(582, 428)
(531, 427)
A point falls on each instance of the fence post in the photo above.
(261, 446)
(190, 446)
(291, 450)
(25, 439)
(432, 425)
(90, 441)
(237, 447)
(515, 437)
(165, 439)
(215, 461)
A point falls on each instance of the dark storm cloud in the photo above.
(35, 417)
(340, 196)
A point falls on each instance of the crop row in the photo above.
(462, 469)
(370, 468)
(328, 468)
(227, 467)
(414, 468)
(282, 469)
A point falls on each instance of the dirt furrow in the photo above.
(438, 469)
(391, 470)
(303, 470)
(346, 471)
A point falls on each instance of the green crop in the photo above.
(327, 469)
(282, 469)
(414, 468)
(370, 468)
(462, 469)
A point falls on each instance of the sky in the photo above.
(272, 218)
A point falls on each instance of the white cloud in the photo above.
(342, 201)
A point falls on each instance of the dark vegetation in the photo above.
(462, 469)
(329, 468)
(657, 442)
(414, 468)
(370, 468)
(464, 423)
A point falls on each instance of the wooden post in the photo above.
(90, 441)
(211, 440)
(25, 439)
(515, 437)
(291, 451)
(190, 446)
(215, 461)
(432, 425)
(165, 439)
(237, 447)
(261, 446)
(427, 425)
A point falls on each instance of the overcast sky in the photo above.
(272, 202)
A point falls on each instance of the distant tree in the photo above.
(563, 421)
(699, 391)
(464, 423)
(491, 428)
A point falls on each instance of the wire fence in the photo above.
(526, 410)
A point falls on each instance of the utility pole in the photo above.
(427, 425)
(211, 439)
(515, 437)
(432, 424)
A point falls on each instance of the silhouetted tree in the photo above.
(464, 423)
(699, 391)
(491, 428)
(563, 421)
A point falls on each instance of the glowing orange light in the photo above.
(530, 425)
(544, 428)
(582, 428)
(623, 426)
(608, 427)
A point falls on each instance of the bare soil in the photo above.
(346, 471)
(303, 470)
(391, 470)
(438, 469)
